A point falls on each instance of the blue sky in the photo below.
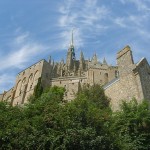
(31, 30)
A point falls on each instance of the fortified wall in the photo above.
(133, 80)
(26, 80)
(124, 81)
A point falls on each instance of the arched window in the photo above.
(30, 82)
(8, 99)
(31, 77)
(24, 80)
(18, 88)
(36, 75)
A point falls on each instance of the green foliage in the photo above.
(96, 94)
(131, 126)
(85, 123)
(38, 90)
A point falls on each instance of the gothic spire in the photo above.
(49, 60)
(94, 59)
(81, 56)
(72, 38)
(72, 46)
(81, 61)
(104, 61)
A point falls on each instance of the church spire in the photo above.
(72, 38)
(70, 55)
(95, 59)
(81, 66)
(49, 60)
(104, 61)
(72, 46)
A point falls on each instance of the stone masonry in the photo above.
(124, 81)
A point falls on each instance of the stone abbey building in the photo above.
(124, 81)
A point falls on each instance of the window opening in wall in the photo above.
(116, 74)
(24, 80)
(31, 76)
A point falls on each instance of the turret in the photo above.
(82, 62)
(94, 59)
(49, 60)
(125, 61)
(105, 62)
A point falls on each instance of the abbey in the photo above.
(124, 81)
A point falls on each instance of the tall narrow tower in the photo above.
(70, 55)
(82, 63)
(72, 46)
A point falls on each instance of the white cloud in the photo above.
(141, 5)
(6, 81)
(120, 21)
(135, 22)
(83, 19)
(22, 50)
(21, 38)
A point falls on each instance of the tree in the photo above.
(130, 127)
(38, 89)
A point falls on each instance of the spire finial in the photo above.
(49, 60)
(72, 37)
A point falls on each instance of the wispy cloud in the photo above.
(143, 6)
(83, 19)
(22, 50)
(6, 81)
(135, 21)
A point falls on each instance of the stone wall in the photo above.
(71, 85)
(26, 81)
(122, 82)
(101, 75)
(125, 61)
(8, 96)
(143, 70)
(46, 74)
(125, 88)
(128, 85)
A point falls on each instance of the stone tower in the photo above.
(82, 61)
(125, 61)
